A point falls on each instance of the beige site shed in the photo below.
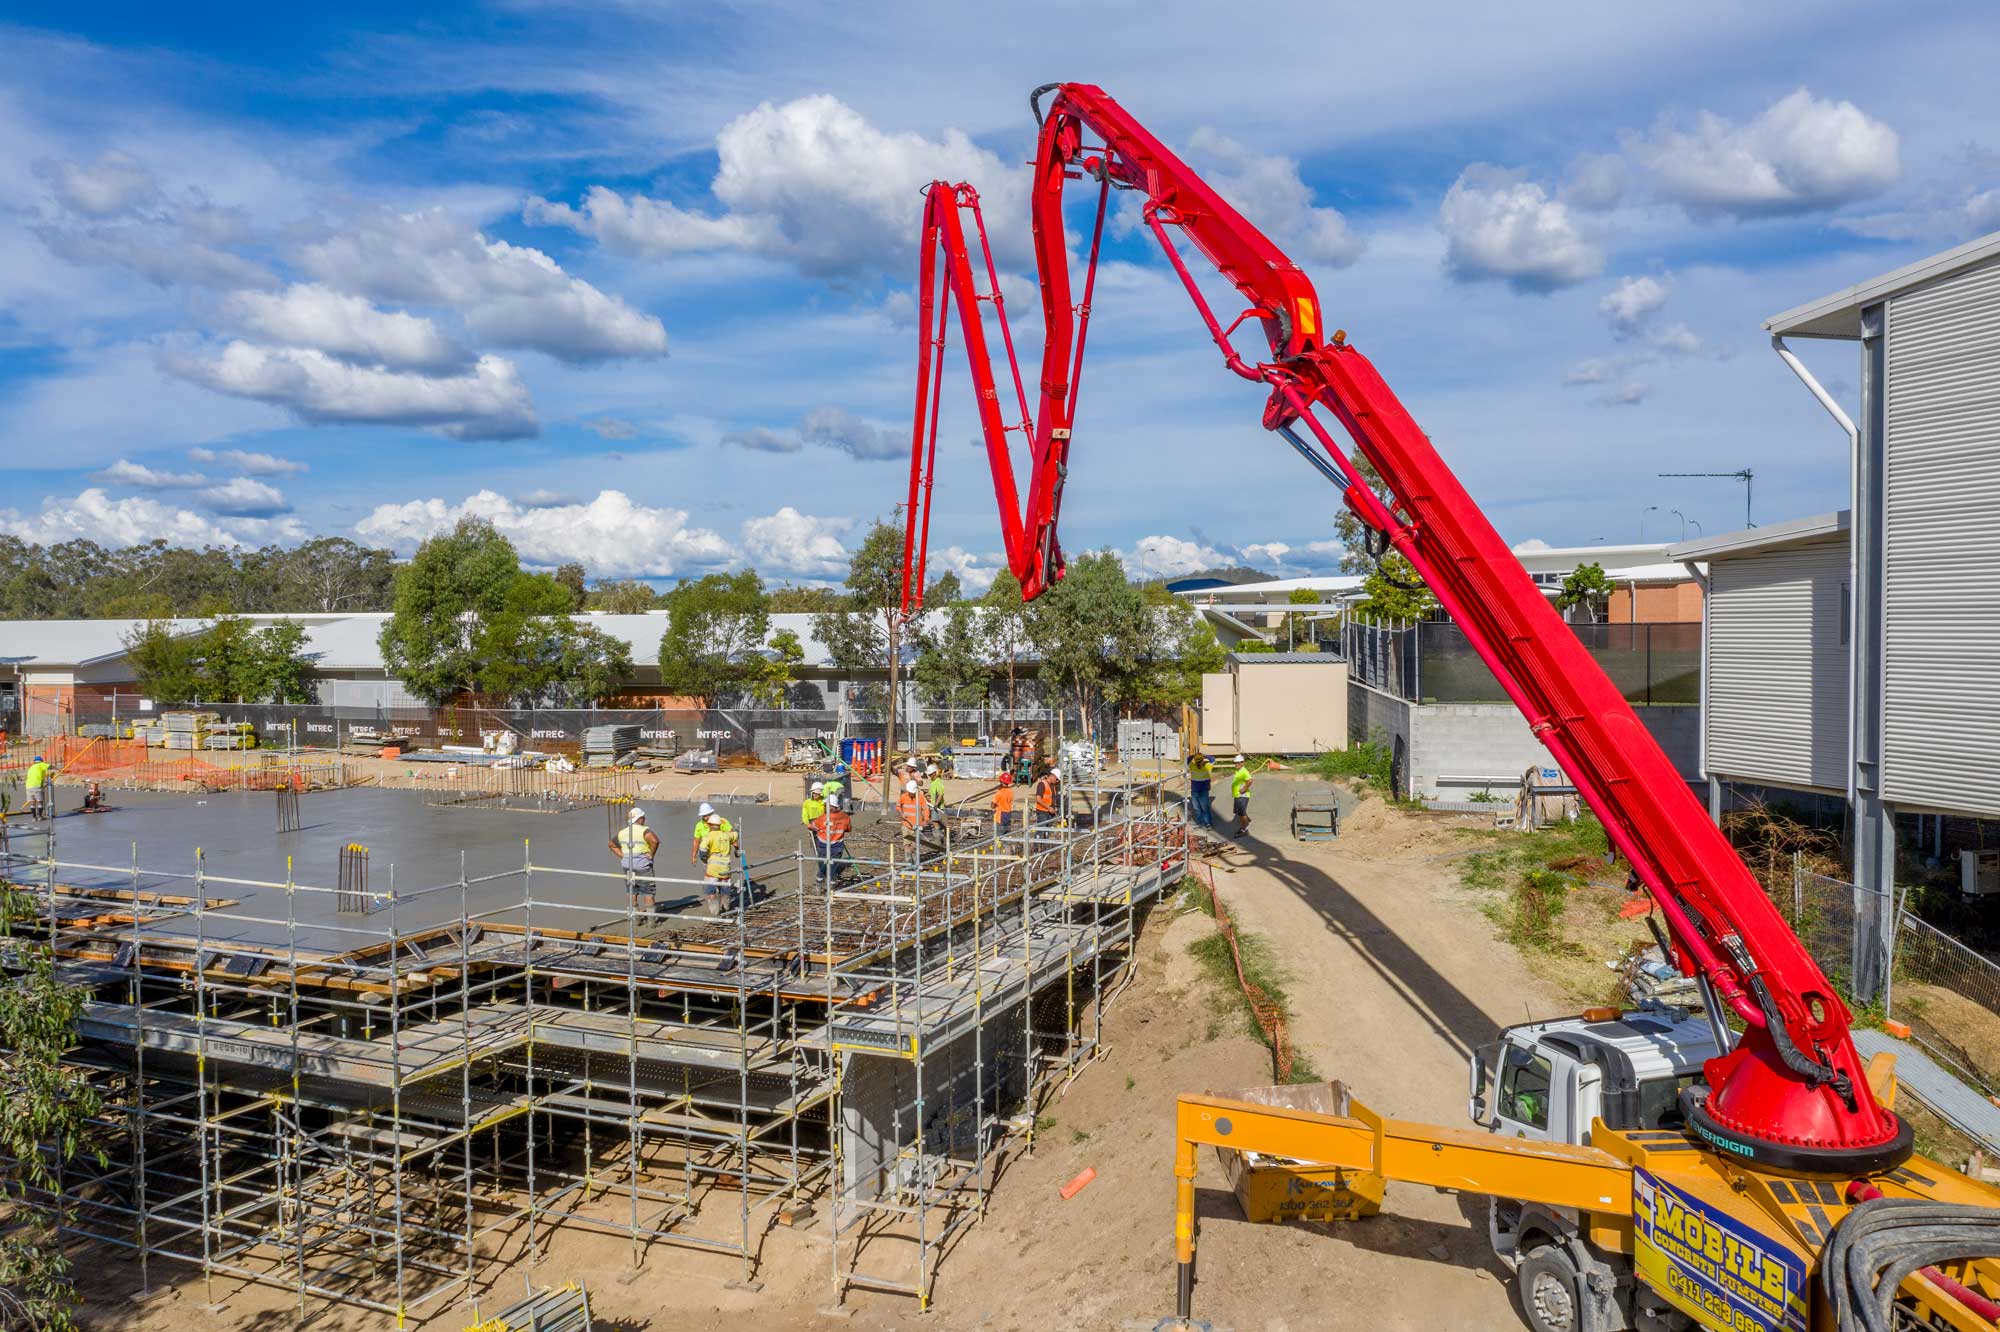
(1275, 703)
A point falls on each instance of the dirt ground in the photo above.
(1393, 974)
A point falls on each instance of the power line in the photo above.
(1744, 476)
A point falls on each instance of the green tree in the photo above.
(167, 664)
(590, 664)
(533, 653)
(1391, 595)
(1088, 630)
(805, 600)
(575, 580)
(627, 596)
(777, 669)
(46, 1109)
(284, 671)
(867, 634)
(1004, 627)
(715, 625)
(1183, 650)
(944, 591)
(453, 583)
(333, 574)
(951, 668)
(1586, 586)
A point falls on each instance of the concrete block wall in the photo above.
(1445, 744)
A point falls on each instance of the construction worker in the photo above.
(1003, 808)
(38, 788)
(718, 849)
(701, 818)
(1201, 772)
(813, 805)
(636, 845)
(915, 812)
(93, 799)
(935, 791)
(836, 785)
(830, 841)
(1045, 794)
(1239, 794)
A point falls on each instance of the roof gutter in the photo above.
(1833, 409)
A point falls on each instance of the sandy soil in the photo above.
(1393, 975)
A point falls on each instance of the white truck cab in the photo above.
(1550, 1081)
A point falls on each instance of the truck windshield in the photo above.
(1660, 1101)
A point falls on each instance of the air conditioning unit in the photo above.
(1979, 873)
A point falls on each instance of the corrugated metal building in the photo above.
(1911, 725)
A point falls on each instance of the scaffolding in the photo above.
(385, 1106)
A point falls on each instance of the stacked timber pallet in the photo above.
(233, 735)
(188, 730)
(606, 746)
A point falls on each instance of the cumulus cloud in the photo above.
(1499, 225)
(489, 402)
(1935, 218)
(244, 498)
(611, 535)
(508, 295)
(159, 252)
(975, 572)
(810, 182)
(1631, 303)
(1800, 154)
(1266, 552)
(310, 315)
(1267, 190)
(1595, 182)
(842, 429)
(247, 462)
(1168, 557)
(125, 472)
(796, 543)
(544, 498)
(115, 183)
(93, 515)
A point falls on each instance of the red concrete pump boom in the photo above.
(1792, 1093)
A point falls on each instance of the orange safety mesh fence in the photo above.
(134, 761)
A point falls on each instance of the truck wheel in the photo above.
(1550, 1290)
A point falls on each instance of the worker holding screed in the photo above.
(718, 848)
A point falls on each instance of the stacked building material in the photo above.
(979, 762)
(188, 730)
(1140, 740)
(604, 746)
(235, 735)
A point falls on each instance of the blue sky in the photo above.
(634, 281)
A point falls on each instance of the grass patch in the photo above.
(1260, 970)
(1367, 762)
(1533, 875)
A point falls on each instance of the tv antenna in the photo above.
(1744, 476)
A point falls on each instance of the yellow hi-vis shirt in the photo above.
(1239, 785)
(38, 773)
(719, 845)
(811, 810)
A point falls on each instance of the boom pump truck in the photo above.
(1749, 1172)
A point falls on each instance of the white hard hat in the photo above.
(819, 786)
(706, 809)
(1239, 759)
(833, 802)
(931, 768)
(910, 787)
(714, 817)
(636, 816)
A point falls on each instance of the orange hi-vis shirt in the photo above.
(1003, 800)
(1045, 795)
(915, 809)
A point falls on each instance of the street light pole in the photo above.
(1650, 508)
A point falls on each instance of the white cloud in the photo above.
(159, 252)
(115, 183)
(1267, 190)
(1675, 339)
(93, 515)
(1530, 546)
(1595, 182)
(1592, 371)
(975, 572)
(491, 402)
(1500, 225)
(249, 463)
(796, 543)
(1627, 395)
(244, 498)
(544, 498)
(509, 295)
(611, 535)
(1168, 557)
(1935, 218)
(125, 472)
(1631, 304)
(841, 429)
(1266, 552)
(811, 182)
(309, 315)
(1799, 155)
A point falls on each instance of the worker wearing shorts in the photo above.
(718, 849)
(1239, 792)
(636, 845)
(38, 788)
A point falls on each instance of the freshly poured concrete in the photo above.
(413, 846)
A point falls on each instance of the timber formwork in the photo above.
(358, 1108)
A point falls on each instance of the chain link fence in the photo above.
(1946, 993)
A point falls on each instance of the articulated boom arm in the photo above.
(1792, 1093)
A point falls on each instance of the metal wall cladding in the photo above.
(1777, 669)
(1941, 672)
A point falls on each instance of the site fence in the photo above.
(731, 732)
(1947, 993)
(1433, 661)
(132, 763)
